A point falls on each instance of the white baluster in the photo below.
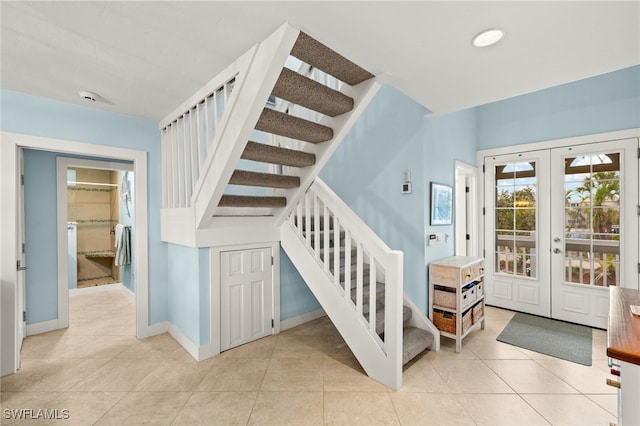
(347, 263)
(213, 110)
(179, 164)
(359, 277)
(172, 166)
(336, 251)
(307, 219)
(373, 290)
(202, 146)
(299, 219)
(316, 227)
(327, 237)
(187, 159)
(194, 152)
(163, 148)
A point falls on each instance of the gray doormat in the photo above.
(558, 339)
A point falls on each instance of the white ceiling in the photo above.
(145, 58)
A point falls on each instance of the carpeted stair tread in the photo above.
(255, 151)
(365, 271)
(320, 56)
(366, 290)
(251, 201)
(406, 314)
(279, 123)
(269, 180)
(308, 93)
(414, 342)
(354, 253)
(303, 223)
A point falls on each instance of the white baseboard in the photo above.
(186, 343)
(158, 328)
(94, 289)
(128, 292)
(43, 327)
(207, 351)
(301, 319)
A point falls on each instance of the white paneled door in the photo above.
(517, 227)
(561, 226)
(246, 294)
(594, 229)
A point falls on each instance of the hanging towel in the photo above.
(123, 245)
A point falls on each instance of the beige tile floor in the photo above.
(102, 375)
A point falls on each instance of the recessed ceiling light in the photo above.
(488, 37)
(89, 96)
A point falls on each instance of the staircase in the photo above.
(243, 156)
(344, 256)
(358, 281)
(300, 116)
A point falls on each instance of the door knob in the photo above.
(556, 240)
(557, 250)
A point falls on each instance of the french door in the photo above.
(561, 227)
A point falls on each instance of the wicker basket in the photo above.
(477, 312)
(446, 299)
(468, 296)
(467, 320)
(445, 321)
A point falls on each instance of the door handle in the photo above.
(557, 250)
(556, 240)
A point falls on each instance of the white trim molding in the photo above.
(43, 327)
(302, 319)
(11, 143)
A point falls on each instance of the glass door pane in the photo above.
(592, 219)
(515, 219)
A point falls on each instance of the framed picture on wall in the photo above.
(441, 204)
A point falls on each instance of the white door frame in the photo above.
(466, 217)
(62, 164)
(214, 290)
(551, 144)
(11, 142)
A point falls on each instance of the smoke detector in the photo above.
(89, 96)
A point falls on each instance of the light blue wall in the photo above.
(598, 104)
(41, 236)
(188, 282)
(366, 172)
(448, 138)
(295, 297)
(48, 118)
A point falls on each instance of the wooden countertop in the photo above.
(623, 335)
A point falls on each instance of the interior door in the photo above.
(22, 261)
(517, 230)
(246, 296)
(594, 228)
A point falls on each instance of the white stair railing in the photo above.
(327, 227)
(188, 138)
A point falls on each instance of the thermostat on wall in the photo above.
(406, 182)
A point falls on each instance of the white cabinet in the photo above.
(456, 296)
